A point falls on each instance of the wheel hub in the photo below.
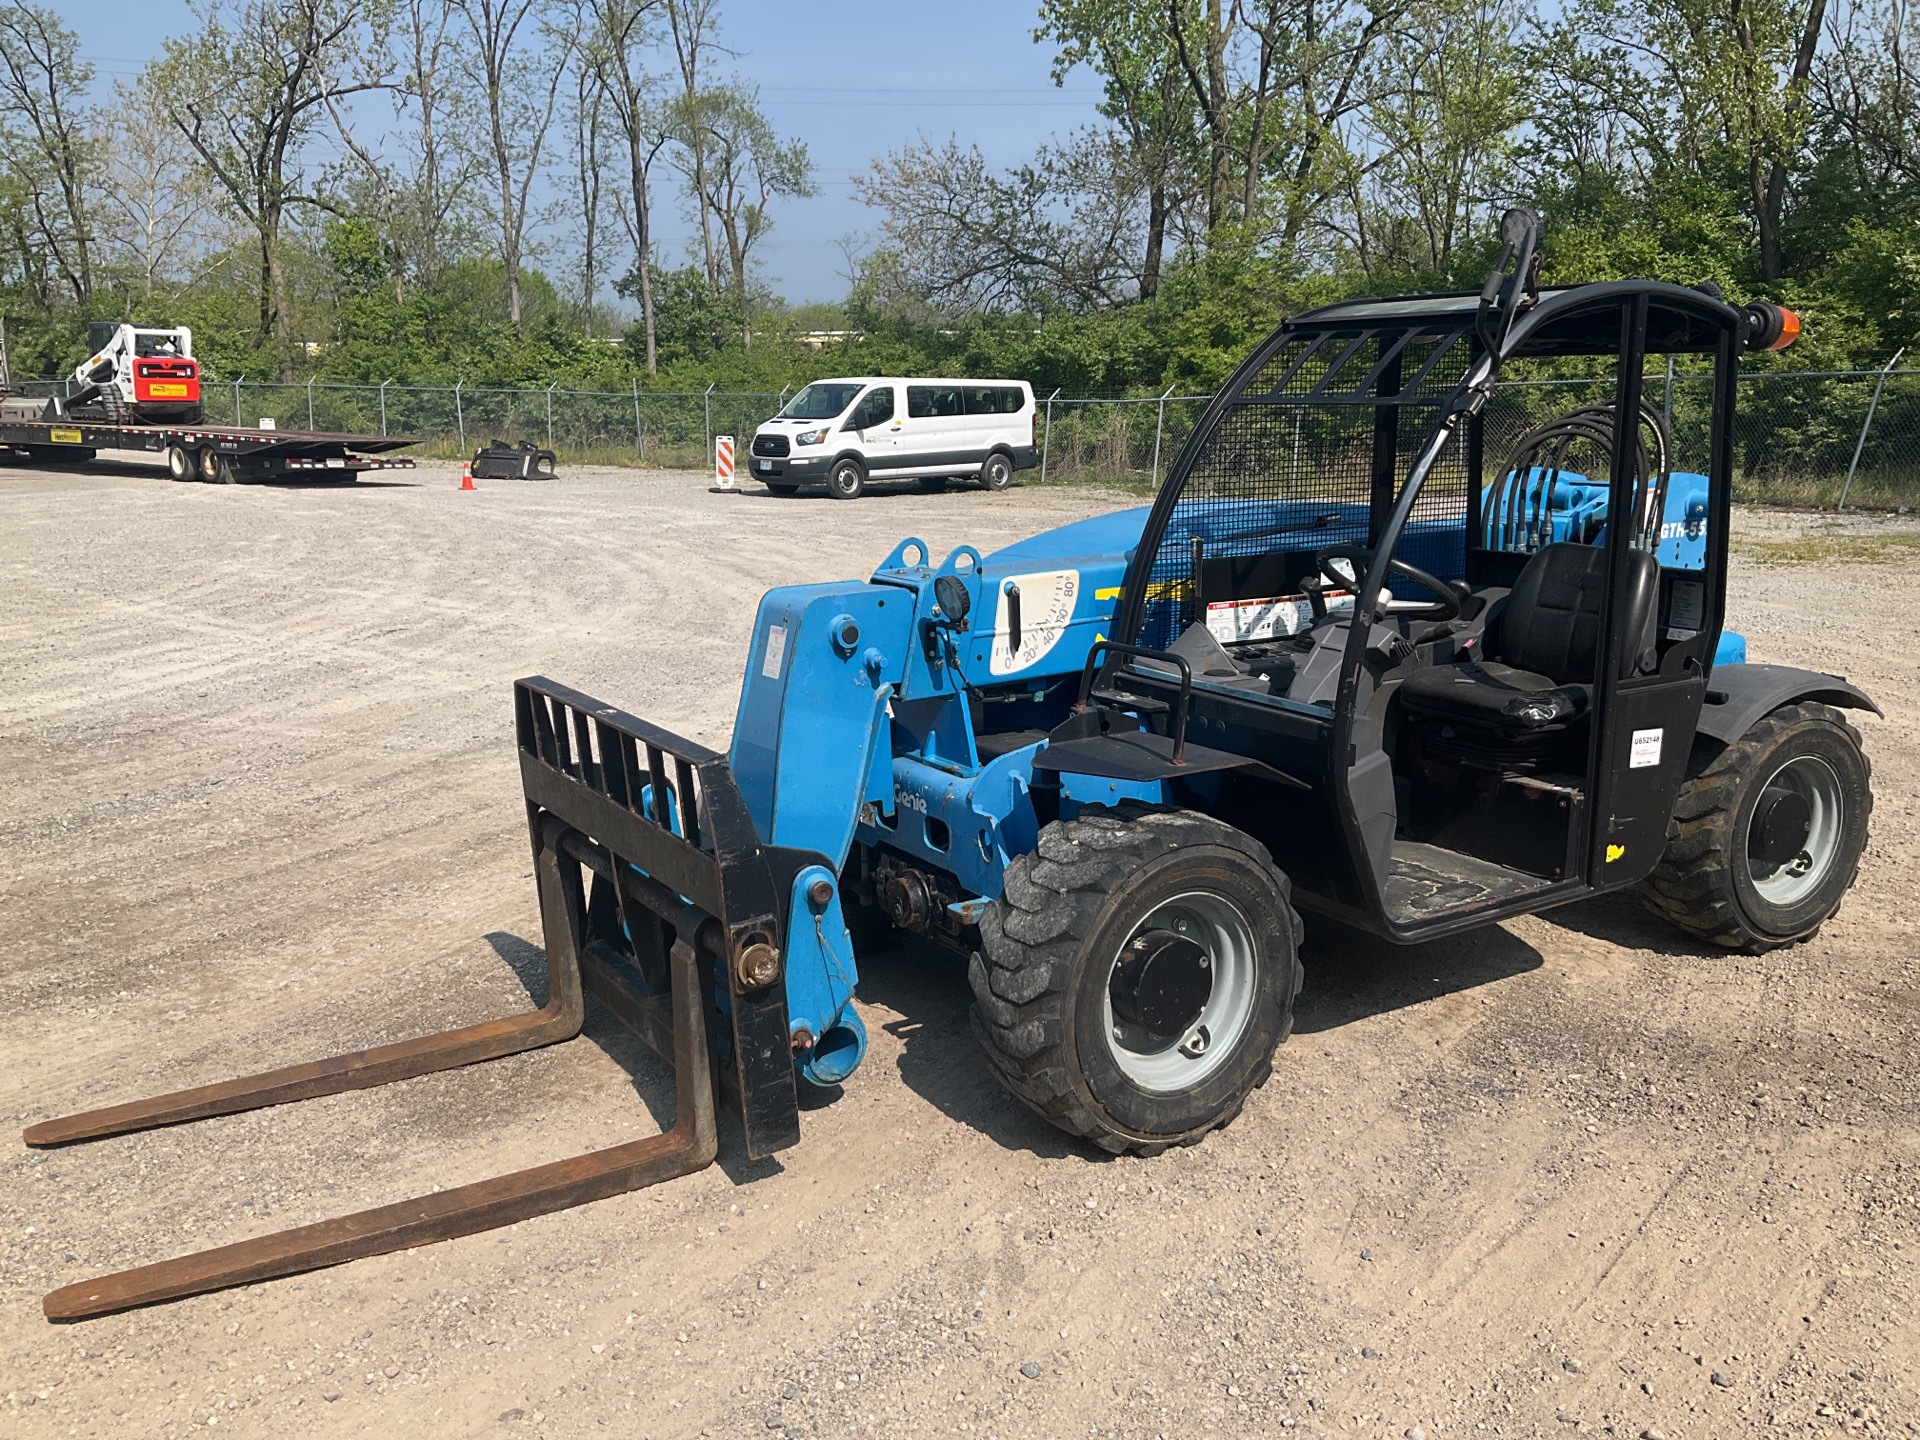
(1162, 983)
(1782, 820)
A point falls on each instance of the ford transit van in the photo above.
(843, 433)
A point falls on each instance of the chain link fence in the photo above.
(1808, 438)
(1816, 439)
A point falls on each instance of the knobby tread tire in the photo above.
(1024, 973)
(1693, 885)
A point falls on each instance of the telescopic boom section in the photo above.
(649, 955)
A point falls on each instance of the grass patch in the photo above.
(1132, 482)
(1828, 547)
(1873, 489)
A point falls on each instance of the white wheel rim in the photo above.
(1166, 1064)
(1816, 782)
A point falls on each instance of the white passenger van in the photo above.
(843, 433)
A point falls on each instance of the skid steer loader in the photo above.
(138, 374)
(1396, 644)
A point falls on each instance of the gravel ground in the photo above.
(1569, 1175)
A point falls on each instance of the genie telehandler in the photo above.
(1369, 655)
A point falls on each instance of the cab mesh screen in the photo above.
(1311, 452)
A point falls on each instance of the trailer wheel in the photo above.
(206, 460)
(847, 480)
(1136, 974)
(1769, 835)
(179, 463)
(997, 473)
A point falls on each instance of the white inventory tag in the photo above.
(777, 653)
(1646, 749)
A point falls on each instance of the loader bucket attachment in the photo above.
(679, 937)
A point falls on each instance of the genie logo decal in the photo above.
(1030, 615)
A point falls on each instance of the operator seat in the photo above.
(1548, 645)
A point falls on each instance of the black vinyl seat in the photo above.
(1549, 644)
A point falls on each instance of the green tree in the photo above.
(246, 90)
(44, 123)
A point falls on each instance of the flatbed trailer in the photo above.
(221, 454)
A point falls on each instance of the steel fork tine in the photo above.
(483, 1205)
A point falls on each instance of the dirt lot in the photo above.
(1572, 1175)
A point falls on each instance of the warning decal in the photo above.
(1232, 621)
(776, 651)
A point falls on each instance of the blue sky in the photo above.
(852, 80)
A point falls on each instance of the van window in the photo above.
(876, 409)
(926, 402)
(821, 401)
(994, 400)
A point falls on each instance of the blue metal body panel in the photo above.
(857, 718)
(1576, 510)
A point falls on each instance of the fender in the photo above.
(1738, 695)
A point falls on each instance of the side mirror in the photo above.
(954, 600)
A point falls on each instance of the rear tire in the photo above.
(1716, 880)
(179, 463)
(997, 472)
(1050, 989)
(206, 461)
(847, 480)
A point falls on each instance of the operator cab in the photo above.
(1414, 583)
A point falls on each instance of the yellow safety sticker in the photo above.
(1614, 852)
(1112, 592)
(66, 437)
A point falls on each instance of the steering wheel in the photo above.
(1445, 604)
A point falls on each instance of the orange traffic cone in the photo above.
(466, 476)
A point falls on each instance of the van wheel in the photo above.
(847, 480)
(997, 473)
(932, 483)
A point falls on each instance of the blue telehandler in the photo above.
(1367, 655)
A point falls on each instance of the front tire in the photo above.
(1075, 1020)
(1769, 835)
(997, 472)
(847, 480)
